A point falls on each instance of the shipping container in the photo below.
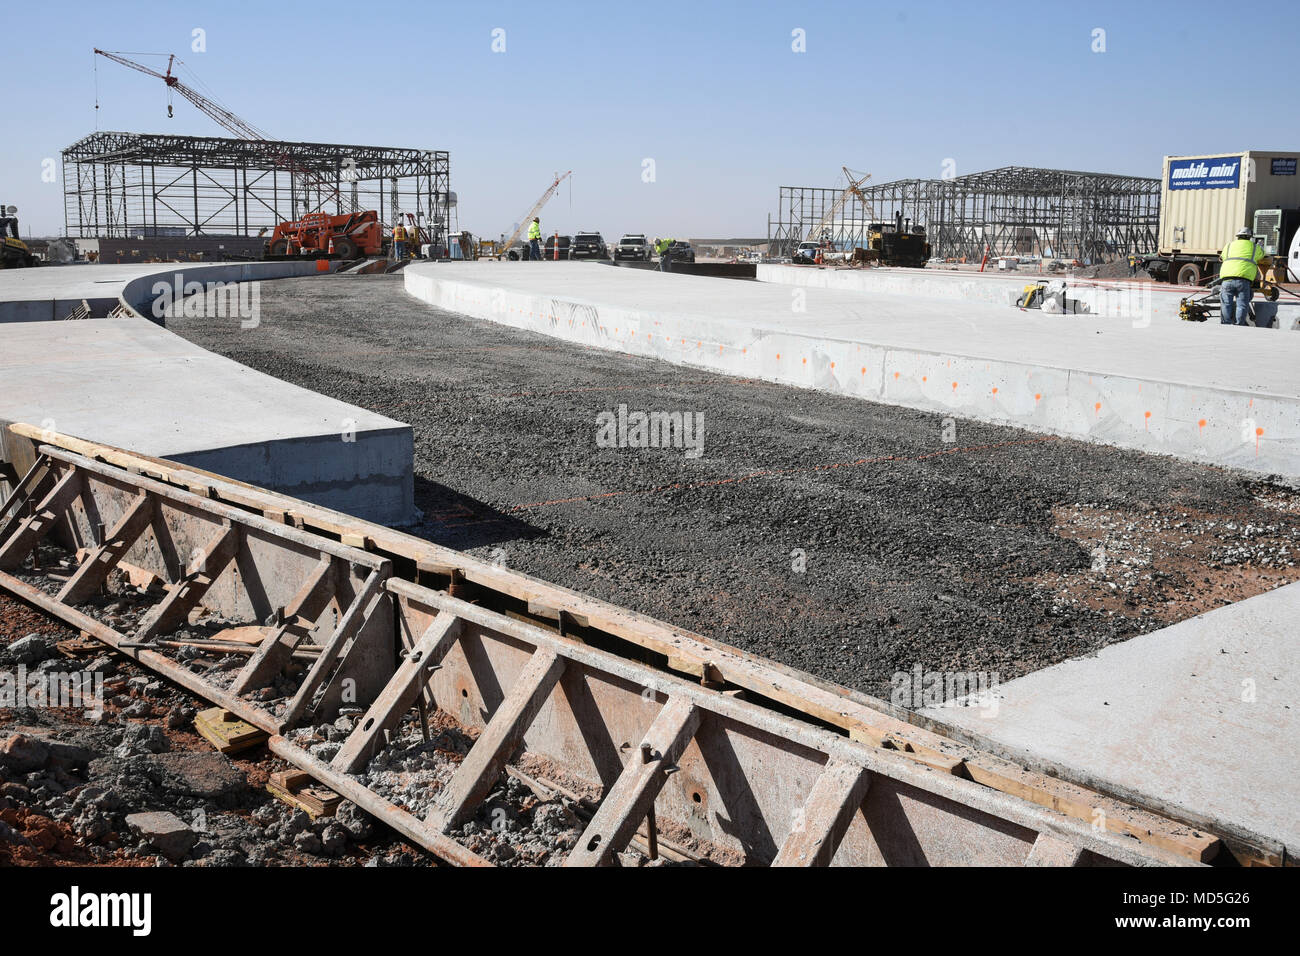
(1204, 200)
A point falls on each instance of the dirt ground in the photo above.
(842, 537)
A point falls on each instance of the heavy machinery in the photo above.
(820, 241)
(14, 253)
(318, 233)
(507, 248)
(324, 185)
(898, 243)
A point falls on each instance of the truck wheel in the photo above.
(1189, 273)
(278, 248)
(345, 248)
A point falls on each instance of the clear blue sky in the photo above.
(711, 91)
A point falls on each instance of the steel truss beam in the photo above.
(1015, 210)
(119, 185)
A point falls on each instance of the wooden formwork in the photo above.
(683, 741)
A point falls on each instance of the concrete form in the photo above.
(127, 381)
(1201, 715)
(721, 776)
(1211, 393)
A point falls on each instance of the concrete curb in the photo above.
(1252, 430)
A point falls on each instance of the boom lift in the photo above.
(504, 250)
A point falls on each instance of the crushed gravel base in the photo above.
(839, 536)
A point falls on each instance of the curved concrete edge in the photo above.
(1200, 424)
(58, 290)
(1141, 302)
(365, 469)
(148, 296)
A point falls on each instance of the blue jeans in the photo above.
(1239, 290)
(535, 250)
(399, 249)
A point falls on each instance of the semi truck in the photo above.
(1204, 200)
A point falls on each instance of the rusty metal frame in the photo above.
(750, 762)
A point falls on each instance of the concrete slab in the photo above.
(1141, 301)
(131, 383)
(1211, 393)
(1202, 715)
(51, 292)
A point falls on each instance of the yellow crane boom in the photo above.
(853, 188)
(532, 211)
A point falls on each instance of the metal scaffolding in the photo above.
(1015, 210)
(119, 185)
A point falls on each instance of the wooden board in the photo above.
(298, 789)
(227, 732)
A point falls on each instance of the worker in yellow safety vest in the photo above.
(399, 241)
(535, 240)
(1242, 258)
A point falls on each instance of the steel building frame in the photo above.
(1014, 210)
(119, 185)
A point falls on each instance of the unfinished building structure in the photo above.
(148, 185)
(1014, 210)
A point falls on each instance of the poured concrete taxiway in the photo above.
(129, 382)
(1202, 716)
(1204, 392)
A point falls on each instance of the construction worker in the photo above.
(535, 240)
(1242, 259)
(661, 250)
(399, 241)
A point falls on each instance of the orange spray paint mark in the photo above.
(1147, 416)
(1097, 408)
(954, 386)
(895, 374)
(1258, 434)
(1201, 423)
(1037, 396)
(995, 389)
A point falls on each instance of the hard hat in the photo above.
(1243, 232)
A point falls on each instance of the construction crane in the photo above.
(239, 127)
(228, 120)
(528, 216)
(854, 188)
